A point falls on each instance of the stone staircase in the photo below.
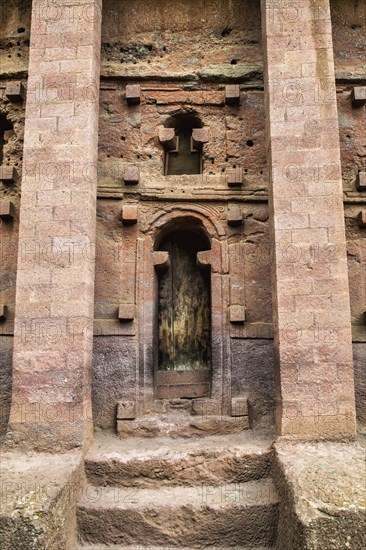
(208, 492)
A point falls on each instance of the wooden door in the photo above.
(184, 316)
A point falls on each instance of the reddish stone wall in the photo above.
(179, 73)
(348, 22)
(349, 41)
(51, 385)
(178, 39)
(15, 19)
(183, 54)
(311, 296)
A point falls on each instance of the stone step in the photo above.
(120, 547)
(241, 514)
(181, 424)
(157, 462)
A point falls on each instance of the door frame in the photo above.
(155, 226)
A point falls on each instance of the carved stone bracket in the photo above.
(168, 139)
(15, 92)
(362, 219)
(237, 314)
(232, 94)
(210, 258)
(361, 181)
(131, 175)
(126, 410)
(358, 96)
(8, 174)
(133, 94)
(3, 312)
(235, 178)
(200, 136)
(161, 260)
(7, 211)
(129, 214)
(126, 312)
(235, 215)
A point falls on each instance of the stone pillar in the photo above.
(315, 383)
(51, 398)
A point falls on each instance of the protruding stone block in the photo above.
(129, 214)
(235, 178)
(161, 260)
(239, 406)
(133, 94)
(361, 181)
(3, 312)
(15, 92)
(131, 175)
(235, 215)
(168, 139)
(7, 211)
(206, 407)
(126, 410)
(232, 94)
(362, 219)
(8, 134)
(204, 258)
(237, 314)
(8, 174)
(126, 312)
(358, 96)
(199, 137)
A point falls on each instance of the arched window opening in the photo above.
(5, 128)
(184, 305)
(186, 157)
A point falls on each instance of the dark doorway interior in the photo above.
(186, 159)
(184, 316)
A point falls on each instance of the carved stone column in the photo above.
(315, 381)
(51, 402)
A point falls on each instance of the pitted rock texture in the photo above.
(15, 18)
(157, 462)
(163, 43)
(323, 494)
(170, 516)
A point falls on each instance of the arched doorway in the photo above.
(184, 317)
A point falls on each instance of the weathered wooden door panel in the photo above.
(184, 315)
(189, 384)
